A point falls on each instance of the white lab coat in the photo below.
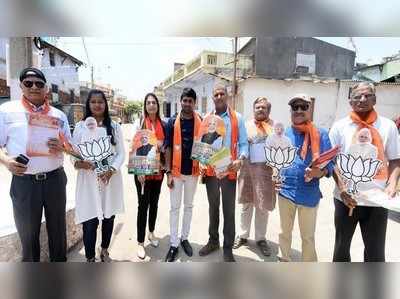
(90, 203)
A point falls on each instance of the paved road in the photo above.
(123, 246)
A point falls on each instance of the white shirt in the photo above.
(342, 133)
(14, 135)
(90, 203)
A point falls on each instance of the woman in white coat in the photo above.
(98, 197)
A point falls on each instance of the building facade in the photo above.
(293, 57)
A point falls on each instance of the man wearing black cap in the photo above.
(40, 182)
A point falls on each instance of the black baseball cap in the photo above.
(31, 72)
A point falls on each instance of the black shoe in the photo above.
(228, 255)
(172, 254)
(91, 260)
(239, 242)
(264, 247)
(187, 248)
(208, 248)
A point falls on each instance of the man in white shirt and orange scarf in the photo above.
(236, 141)
(372, 218)
(182, 171)
(40, 184)
(300, 189)
(256, 191)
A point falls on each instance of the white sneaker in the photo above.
(141, 253)
(153, 240)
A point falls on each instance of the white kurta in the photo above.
(90, 203)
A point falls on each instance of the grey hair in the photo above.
(370, 85)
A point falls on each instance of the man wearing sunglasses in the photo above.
(372, 219)
(300, 189)
(39, 182)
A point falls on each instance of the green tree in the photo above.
(133, 109)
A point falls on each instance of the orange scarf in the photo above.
(259, 128)
(158, 130)
(234, 140)
(30, 107)
(311, 135)
(177, 146)
(376, 138)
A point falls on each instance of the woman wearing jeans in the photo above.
(99, 197)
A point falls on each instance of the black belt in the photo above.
(42, 176)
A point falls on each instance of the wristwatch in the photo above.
(168, 172)
(112, 168)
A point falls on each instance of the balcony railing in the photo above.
(208, 60)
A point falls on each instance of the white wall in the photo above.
(387, 100)
(3, 65)
(331, 99)
(278, 92)
(64, 75)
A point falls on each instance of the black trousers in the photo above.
(373, 223)
(90, 234)
(29, 198)
(147, 203)
(227, 188)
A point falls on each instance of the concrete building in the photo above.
(294, 57)
(387, 71)
(61, 71)
(59, 67)
(201, 73)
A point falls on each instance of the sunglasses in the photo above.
(29, 84)
(301, 107)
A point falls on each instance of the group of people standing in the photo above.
(41, 183)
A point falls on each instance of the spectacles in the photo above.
(29, 84)
(301, 107)
(357, 98)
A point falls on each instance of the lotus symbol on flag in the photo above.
(280, 158)
(97, 151)
(357, 170)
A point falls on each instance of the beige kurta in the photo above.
(255, 185)
(255, 180)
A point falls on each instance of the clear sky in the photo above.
(136, 65)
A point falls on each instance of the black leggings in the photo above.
(373, 222)
(147, 203)
(90, 234)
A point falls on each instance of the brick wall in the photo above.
(10, 246)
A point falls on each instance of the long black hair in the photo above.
(107, 118)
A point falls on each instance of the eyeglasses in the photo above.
(357, 98)
(29, 84)
(301, 107)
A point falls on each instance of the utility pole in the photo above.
(18, 57)
(234, 84)
(92, 76)
(89, 63)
